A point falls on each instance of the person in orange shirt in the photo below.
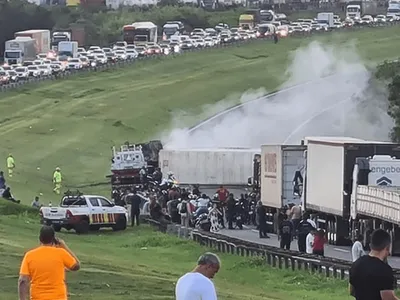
(43, 268)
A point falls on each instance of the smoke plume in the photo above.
(342, 104)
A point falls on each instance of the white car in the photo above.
(101, 58)
(22, 73)
(380, 19)
(198, 32)
(120, 54)
(45, 70)
(38, 62)
(34, 71)
(209, 42)
(92, 48)
(198, 41)
(81, 50)
(74, 64)
(367, 19)
(131, 54)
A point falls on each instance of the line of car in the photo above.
(47, 65)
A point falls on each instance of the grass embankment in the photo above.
(73, 123)
(144, 265)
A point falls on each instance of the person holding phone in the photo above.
(42, 273)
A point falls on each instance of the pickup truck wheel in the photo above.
(82, 227)
(121, 224)
(57, 228)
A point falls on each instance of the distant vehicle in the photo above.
(393, 9)
(326, 18)
(140, 32)
(356, 9)
(34, 71)
(172, 28)
(22, 72)
(380, 19)
(19, 50)
(69, 49)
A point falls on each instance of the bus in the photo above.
(140, 32)
(173, 28)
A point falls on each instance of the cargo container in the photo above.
(41, 37)
(19, 50)
(375, 200)
(279, 165)
(209, 166)
(330, 163)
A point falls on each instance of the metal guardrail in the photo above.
(275, 257)
(118, 64)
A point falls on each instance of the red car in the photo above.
(4, 78)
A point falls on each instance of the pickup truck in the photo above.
(84, 213)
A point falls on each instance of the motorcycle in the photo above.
(203, 222)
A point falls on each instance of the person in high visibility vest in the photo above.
(10, 165)
(57, 179)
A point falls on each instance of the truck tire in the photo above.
(121, 224)
(82, 227)
(56, 227)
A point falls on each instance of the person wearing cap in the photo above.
(57, 180)
(10, 165)
(42, 272)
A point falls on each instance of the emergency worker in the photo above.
(57, 180)
(10, 165)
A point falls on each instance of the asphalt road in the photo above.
(251, 235)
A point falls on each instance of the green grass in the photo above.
(143, 264)
(73, 123)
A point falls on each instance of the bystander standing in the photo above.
(197, 284)
(357, 250)
(43, 268)
(370, 277)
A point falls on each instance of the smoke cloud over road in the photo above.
(344, 104)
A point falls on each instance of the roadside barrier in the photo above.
(129, 62)
(273, 256)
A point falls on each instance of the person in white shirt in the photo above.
(197, 285)
(357, 250)
(310, 242)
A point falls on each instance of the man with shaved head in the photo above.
(197, 285)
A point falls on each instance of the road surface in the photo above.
(251, 235)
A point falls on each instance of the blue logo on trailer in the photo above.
(384, 181)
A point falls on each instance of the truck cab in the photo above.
(353, 12)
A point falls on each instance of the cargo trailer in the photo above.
(209, 166)
(330, 163)
(41, 37)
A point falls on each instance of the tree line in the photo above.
(389, 74)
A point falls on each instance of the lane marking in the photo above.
(341, 250)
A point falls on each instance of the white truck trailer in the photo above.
(375, 200)
(19, 50)
(330, 164)
(41, 37)
(209, 166)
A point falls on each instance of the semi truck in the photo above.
(19, 50)
(40, 36)
(226, 166)
(375, 200)
(76, 34)
(355, 10)
(393, 9)
(320, 176)
(328, 177)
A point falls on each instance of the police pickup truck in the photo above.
(83, 213)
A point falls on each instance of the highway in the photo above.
(251, 234)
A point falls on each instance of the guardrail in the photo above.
(275, 257)
(118, 64)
